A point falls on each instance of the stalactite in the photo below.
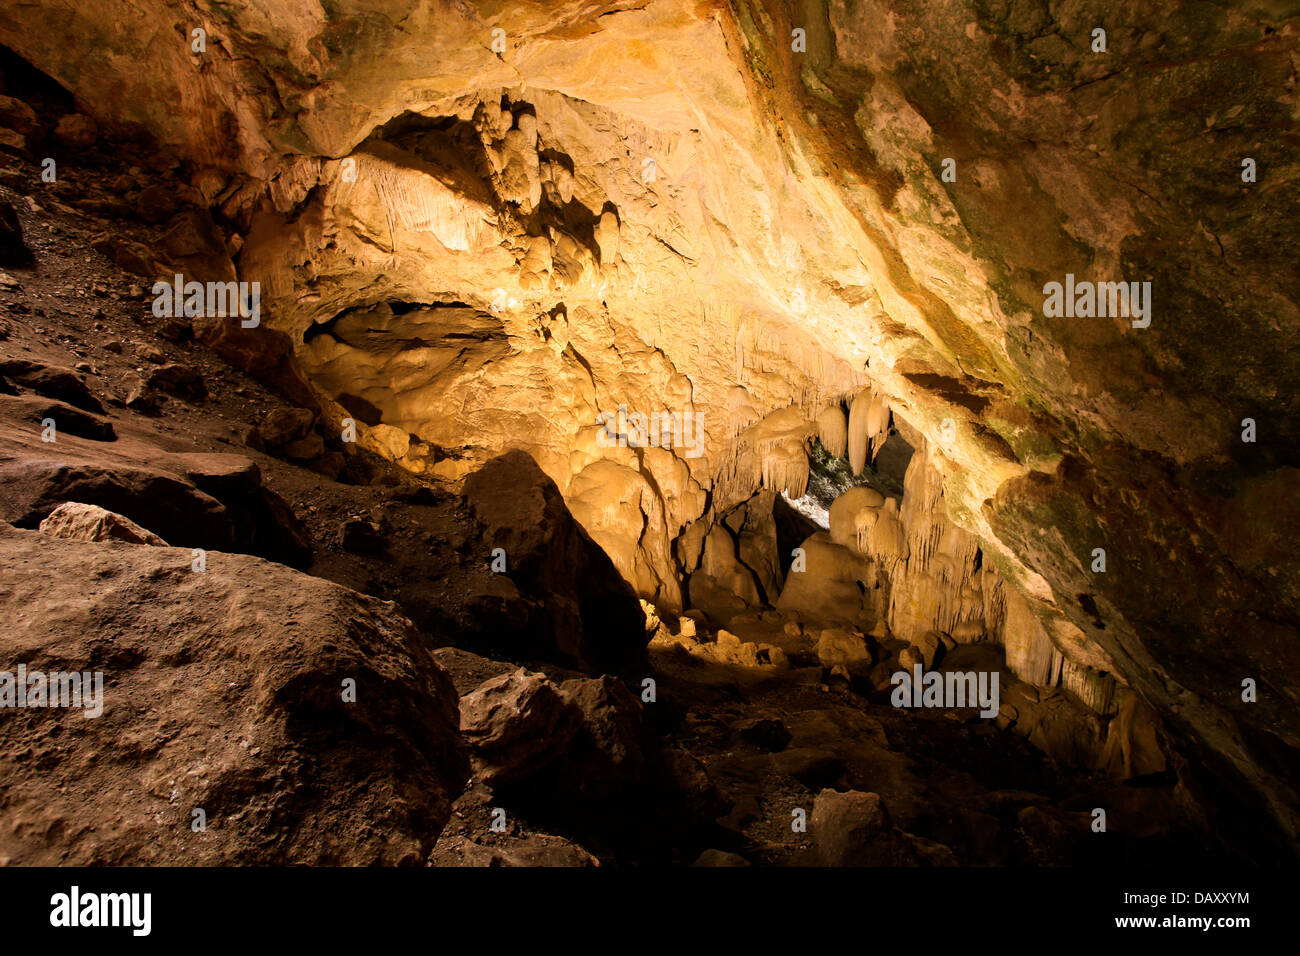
(1031, 656)
(771, 453)
(1095, 689)
(783, 466)
(832, 431)
(878, 424)
(858, 433)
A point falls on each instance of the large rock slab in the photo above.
(223, 691)
(52, 381)
(210, 501)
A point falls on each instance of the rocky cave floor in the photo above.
(739, 737)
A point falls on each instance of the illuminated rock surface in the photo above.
(663, 207)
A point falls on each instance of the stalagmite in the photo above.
(852, 515)
(832, 431)
(886, 541)
(606, 232)
(535, 269)
(939, 585)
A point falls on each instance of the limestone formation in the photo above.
(853, 515)
(656, 250)
(837, 585)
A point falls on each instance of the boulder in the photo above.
(52, 381)
(766, 733)
(179, 380)
(813, 767)
(156, 204)
(469, 671)
(516, 724)
(929, 648)
(606, 755)
(82, 522)
(13, 251)
(582, 613)
(262, 522)
(305, 449)
(854, 829)
(393, 443)
(38, 413)
(17, 116)
(283, 425)
(210, 501)
(837, 586)
(127, 254)
(306, 721)
(331, 465)
(688, 788)
(838, 647)
(361, 537)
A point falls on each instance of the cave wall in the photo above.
(796, 243)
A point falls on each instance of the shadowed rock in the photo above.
(583, 613)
